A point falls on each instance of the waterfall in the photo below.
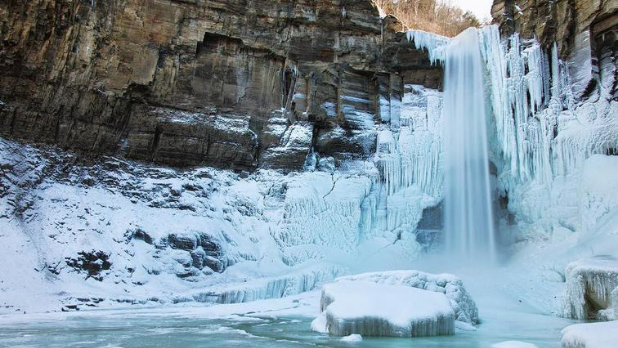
(469, 224)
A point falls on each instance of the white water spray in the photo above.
(469, 224)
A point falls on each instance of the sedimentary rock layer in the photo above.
(217, 82)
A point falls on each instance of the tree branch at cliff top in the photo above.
(436, 16)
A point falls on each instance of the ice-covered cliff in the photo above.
(338, 146)
(98, 232)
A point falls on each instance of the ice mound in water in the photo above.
(448, 284)
(597, 335)
(590, 283)
(372, 309)
(353, 338)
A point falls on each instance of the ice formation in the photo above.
(448, 284)
(541, 132)
(468, 218)
(433, 43)
(412, 154)
(615, 302)
(589, 289)
(372, 309)
(598, 191)
(597, 335)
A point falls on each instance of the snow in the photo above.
(448, 284)
(352, 338)
(597, 335)
(589, 287)
(372, 309)
(599, 190)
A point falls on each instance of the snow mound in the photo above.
(353, 338)
(371, 309)
(590, 283)
(597, 335)
(513, 344)
(448, 284)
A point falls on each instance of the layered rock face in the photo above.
(584, 31)
(229, 83)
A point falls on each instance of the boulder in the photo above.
(447, 284)
(371, 309)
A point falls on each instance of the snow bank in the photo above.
(597, 335)
(590, 283)
(371, 309)
(352, 338)
(447, 284)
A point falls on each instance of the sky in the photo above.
(481, 8)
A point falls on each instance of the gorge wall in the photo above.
(228, 83)
(326, 86)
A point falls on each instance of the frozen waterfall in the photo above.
(469, 224)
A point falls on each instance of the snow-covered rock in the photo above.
(596, 335)
(371, 309)
(448, 284)
(352, 338)
(590, 287)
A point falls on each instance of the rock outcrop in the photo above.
(590, 284)
(228, 83)
(584, 31)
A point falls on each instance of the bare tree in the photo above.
(437, 16)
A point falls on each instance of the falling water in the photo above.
(469, 220)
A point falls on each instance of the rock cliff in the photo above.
(229, 83)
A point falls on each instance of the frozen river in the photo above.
(278, 323)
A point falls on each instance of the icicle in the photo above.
(433, 43)
(540, 131)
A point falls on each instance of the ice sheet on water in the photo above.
(513, 344)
